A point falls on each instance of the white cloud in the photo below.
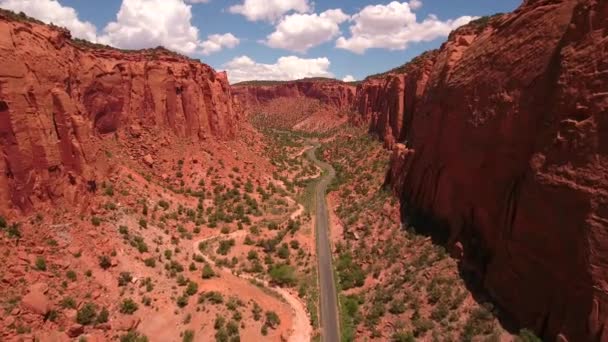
(149, 23)
(300, 32)
(349, 78)
(198, 1)
(51, 11)
(415, 4)
(269, 10)
(394, 26)
(216, 42)
(286, 68)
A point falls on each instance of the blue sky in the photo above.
(277, 39)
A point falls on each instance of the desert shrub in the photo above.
(103, 316)
(272, 319)
(191, 289)
(71, 275)
(86, 314)
(526, 335)
(350, 274)
(105, 262)
(188, 336)
(40, 263)
(163, 204)
(124, 278)
(283, 275)
(133, 336)
(128, 306)
(150, 262)
(68, 303)
(182, 301)
(96, 221)
(225, 246)
(208, 272)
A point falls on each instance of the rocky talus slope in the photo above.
(60, 97)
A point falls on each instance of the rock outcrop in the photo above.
(505, 148)
(337, 94)
(59, 97)
(386, 103)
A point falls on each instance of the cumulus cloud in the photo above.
(198, 1)
(349, 78)
(300, 32)
(269, 10)
(286, 68)
(415, 4)
(217, 42)
(149, 23)
(51, 11)
(394, 26)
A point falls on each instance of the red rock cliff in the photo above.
(57, 98)
(507, 149)
(386, 103)
(329, 92)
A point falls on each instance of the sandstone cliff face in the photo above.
(58, 98)
(507, 149)
(336, 94)
(386, 103)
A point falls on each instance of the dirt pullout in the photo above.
(301, 330)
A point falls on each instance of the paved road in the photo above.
(330, 328)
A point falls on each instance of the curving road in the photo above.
(330, 327)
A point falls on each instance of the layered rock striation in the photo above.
(59, 97)
(332, 93)
(503, 147)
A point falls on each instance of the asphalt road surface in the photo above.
(330, 327)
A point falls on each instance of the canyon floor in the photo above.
(218, 243)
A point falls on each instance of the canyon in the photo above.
(492, 144)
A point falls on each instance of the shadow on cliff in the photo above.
(470, 270)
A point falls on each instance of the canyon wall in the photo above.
(503, 143)
(333, 93)
(59, 97)
(386, 103)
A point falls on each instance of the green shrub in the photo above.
(163, 204)
(124, 278)
(14, 231)
(68, 303)
(150, 262)
(103, 316)
(87, 314)
(208, 272)
(96, 221)
(128, 306)
(105, 262)
(133, 336)
(40, 263)
(350, 274)
(225, 246)
(256, 311)
(71, 275)
(283, 275)
(191, 289)
(272, 319)
(526, 335)
(124, 230)
(401, 336)
(182, 301)
(188, 336)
